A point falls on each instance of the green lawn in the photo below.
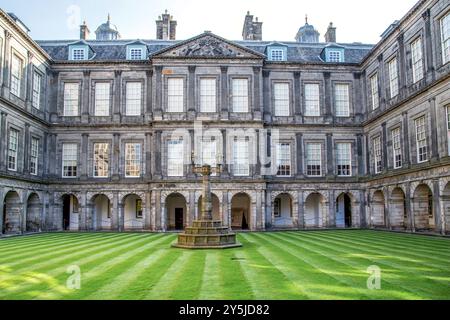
(287, 265)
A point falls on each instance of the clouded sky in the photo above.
(356, 20)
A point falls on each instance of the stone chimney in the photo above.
(330, 36)
(166, 27)
(252, 30)
(84, 31)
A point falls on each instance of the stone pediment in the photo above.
(208, 45)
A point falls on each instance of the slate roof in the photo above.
(113, 50)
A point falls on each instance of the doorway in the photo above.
(179, 213)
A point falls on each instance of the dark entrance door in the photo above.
(179, 218)
(4, 218)
(66, 212)
(348, 211)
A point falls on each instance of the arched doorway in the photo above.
(176, 211)
(215, 207)
(378, 211)
(71, 212)
(240, 212)
(282, 211)
(314, 211)
(101, 216)
(446, 206)
(397, 209)
(34, 210)
(344, 211)
(133, 212)
(12, 209)
(423, 208)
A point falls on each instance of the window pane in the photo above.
(417, 60)
(136, 54)
(276, 55)
(312, 100)
(101, 160)
(283, 154)
(281, 99)
(314, 159)
(377, 154)
(175, 95)
(342, 100)
(12, 149)
(240, 95)
(397, 148)
(34, 156)
(393, 77)
(133, 98)
(208, 95)
(70, 159)
(102, 99)
(78, 54)
(175, 158)
(343, 159)
(421, 139)
(241, 165)
(16, 75)
(71, 96)
(209, 156)
(334, 56)
(445, 35)
(132, 160)
(37, 79)
(374, 91)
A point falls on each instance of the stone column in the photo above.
(85, 97)
(257, 171)
(26, 150)
(29, 85)
(117, 112)
(330, 167)
(256, 92)
(434, 130)
(1, 215)
(191, 92)
(266, 95)
(3, 142)
(440, 227)
(362, 210)
(224, 96)
(409, 208)
(402, 65)
(148, 156)
(84, 156)
(6, 64)
(191, 216)
(225, 205)
(225, 172)
(384, 146)
(429, 54)
(121, 215)
(157, 154)
(301, 210)
(328, 95)
(332, 209)
(299, 155)
(405, 142)
(297, 97)
(52, 147)
(149, 99)
(116, 157)
(359, 149)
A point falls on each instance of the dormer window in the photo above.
(277, 54)
(78, 53)
(335, 56)
(136, 52)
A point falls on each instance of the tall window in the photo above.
(377, 154)
(37, 80)
(175, 157)
(102, 99)
(393, 77)
(101, 160)
(209, 148)
(175, 95)
(281, 99)
(241, 161)
(133, 160)
(342, 100)
(445, 38)
(240, 95)
(344, 159)
(314, 159)
(208, 95)
(374, 91)
(421, 139)
(16, 75)
(397, 148)
(70, 160)
(34, 156)
(417, 60)
(312, 100)
(133, 102)
(71, 99)
(283, 154)
(13, 147)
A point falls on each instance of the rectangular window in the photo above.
(240, 95)
(377, 154)
(344, 159)
(277, 55)
(136, 54)
(101, 160)
(277, 207)
(13, 147)
(312, 100)
(417, 60)
(374, 91)
(421, 139)
(334, 56)
(133, 102)
(37, 80)
(283, 154)
(16, 75)
(34, 156)
(397, 148)
(175, 95)
(175, 158)
(133, 160)
(209, 156)
(342, 100)
(208, 95)
(445, 38)
(102, 99)
(314, 159)
(393, 77)
(139, 212)
(79, 54)
(70, 160)
(71, 99)
(241, 163)
(281, 99)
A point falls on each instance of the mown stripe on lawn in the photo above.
(211, 288)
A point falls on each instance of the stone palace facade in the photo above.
(103, 134)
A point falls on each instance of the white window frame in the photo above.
(209, 152)
(334, 56)
(133, 159)
(283, 159)
(417, 60)
(175, 157)
(71, 99)
(397, 148)
(101, 160)
(314, 159)
(312, 99)
(281, 99)
(102, 101)
(445, 37)
(37, 87)
(374, 92)
(421, 139)
(175, 94)
(208, 95)
(136, 54)
(343, 160)
(79, 54)
(69, 160)
(240, 99)
(13, 149)
(34, 156)
(393, 77)
(241, 157)
(377, 155)
(16, 75)
(133, 98)
(277, 55)
(342, 99)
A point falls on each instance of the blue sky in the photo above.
(356, 20)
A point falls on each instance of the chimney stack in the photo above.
(330, 36)
(252, 29)
(84, 31)
(166, 27)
